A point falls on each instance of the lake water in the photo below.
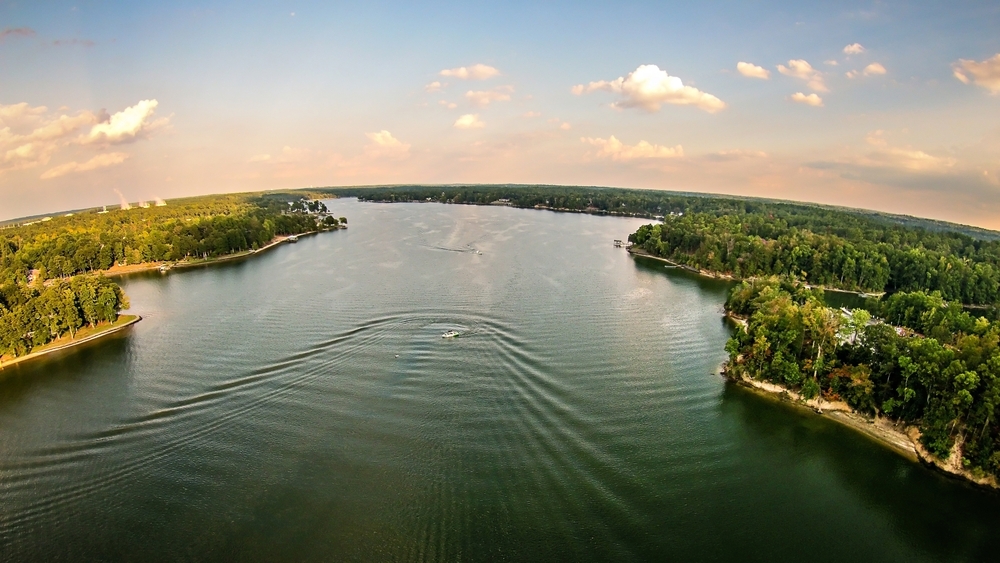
(302, 406)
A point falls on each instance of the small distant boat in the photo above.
(450, 334)
(293, 238)
(164, 268)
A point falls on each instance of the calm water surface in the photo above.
(302, 406)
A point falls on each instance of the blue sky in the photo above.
(165, 100)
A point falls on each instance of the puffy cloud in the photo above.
(985, 73)
(99, 161)
(810, 100)
(873, 69)
(447, 104)
(29, 138)
(433, 87)
(63, 126)
(752, 70)
(16, 32)
(831, 62)
(469, 121)
(854, 49)
(870, 70)
(127, 125)
(385, 145)
(474, 72)
(648, 87)
(14, 113)
(483, 98)
(616, 150)
(798, 68)
(565, 126)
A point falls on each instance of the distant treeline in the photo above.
(822, 249)
(652, 203)
(941, 373)
(834, 247)
(196, 227)
(48, 287)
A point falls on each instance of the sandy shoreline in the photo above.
(121, 324)
(903, 439)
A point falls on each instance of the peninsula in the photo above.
(55, 272)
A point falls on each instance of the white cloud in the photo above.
(531, 114)
(908, 159)
(648, 87)
(985, 73)
(385, 145)
(616, 150)
(127, 125)
(831, 62)
(854, 49)
(873, 69)
(483, 98)
(565, 126)
(870, 70)
(810, 100)
(798, 68)
(15, 113)
(474, 72)
(30, 139)
(99, 161)
(469, 121)
(433, 87)
(752, 70)
(447, 104)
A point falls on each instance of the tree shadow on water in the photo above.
(944, 518)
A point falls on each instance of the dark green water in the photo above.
(302, 406)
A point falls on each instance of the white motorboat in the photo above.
(450, 334)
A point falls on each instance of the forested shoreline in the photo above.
(51, 280)
(914, 358)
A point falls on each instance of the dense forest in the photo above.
(867, 257)
(34, 315)
(200, 227)
(50, 283)
(929, 363)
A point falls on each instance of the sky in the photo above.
(893, 106)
